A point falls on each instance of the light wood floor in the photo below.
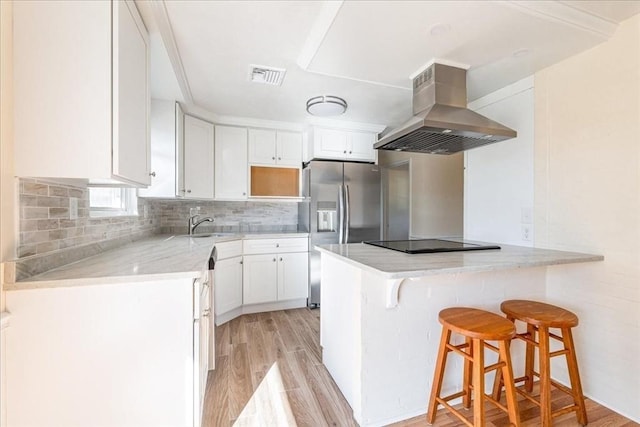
(269, 373)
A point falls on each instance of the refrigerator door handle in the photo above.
(341, 215)
(347, 214)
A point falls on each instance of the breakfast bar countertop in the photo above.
(397, 265)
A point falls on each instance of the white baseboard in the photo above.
(259, 308)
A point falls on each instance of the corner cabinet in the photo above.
(198, 163)
(166, 135)
(231, 163)
(228, 277)
(343, 145)
(83, 71)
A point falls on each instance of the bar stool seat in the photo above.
(477, 326)
(540, 317)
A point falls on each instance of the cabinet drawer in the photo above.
(271, 246)
(229, 249)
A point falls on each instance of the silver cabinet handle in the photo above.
(153, 174)
(345, 151)
(279, 158)
(277, 245)
(280, 258)
(188, 191)
(274, 260)
(241, 262)
(273, 158)
(349, 152)
(244, 194)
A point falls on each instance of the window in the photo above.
(104, 201)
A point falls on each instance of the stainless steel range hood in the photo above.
(442, 123)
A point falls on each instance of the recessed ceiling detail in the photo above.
(366, 51)
(266, 75)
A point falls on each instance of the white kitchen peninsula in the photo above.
(379, 324)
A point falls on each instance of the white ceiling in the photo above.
(362, 51)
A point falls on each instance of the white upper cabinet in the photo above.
(81, 91)
(360, 146)
(270, 147)
(288, 148)
(165, 116)
(231, 163)
(198, 164)
(343, 145)
(262, 146)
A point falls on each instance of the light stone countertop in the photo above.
(156, 258)
(398, 265)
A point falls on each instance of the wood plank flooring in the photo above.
(269, 373)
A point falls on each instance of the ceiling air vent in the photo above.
(266, 75)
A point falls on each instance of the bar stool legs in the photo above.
(477, 326)
(540, 317)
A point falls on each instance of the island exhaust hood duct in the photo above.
(442, 124)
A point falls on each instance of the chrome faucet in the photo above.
(193, 222)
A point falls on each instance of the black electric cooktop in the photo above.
(423, 246)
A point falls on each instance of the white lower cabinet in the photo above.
(275, 270)
(228, 284)
(292, 276)
(260, 278)
(254, 275)
(131, 353)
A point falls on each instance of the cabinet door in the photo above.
(227, 285)
(288, 148)
(163, 150)
(360, 146)
(179, 127)
(259, 279)
(231, 163)
(293, 276)
(329, 144)
(62, 98)
(198, 158)
(131, 149)
(262, 146)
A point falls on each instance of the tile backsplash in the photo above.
(231, 217)
(46, 226)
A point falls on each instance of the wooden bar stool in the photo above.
(539, 317)
(477, 326)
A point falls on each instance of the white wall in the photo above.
(436, 187)
(8, 188)
(587, 198)
(498, 182)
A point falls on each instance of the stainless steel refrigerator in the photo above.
(341, 205)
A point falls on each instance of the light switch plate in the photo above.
(73, 208)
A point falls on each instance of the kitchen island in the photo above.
(379, 324)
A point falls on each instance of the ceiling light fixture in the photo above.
(326, 105)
